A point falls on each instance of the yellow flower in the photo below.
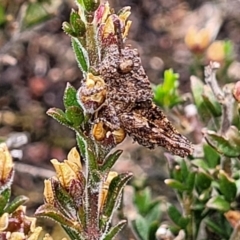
(197, 41)
(6, 163)
(215, 51)
(108, 21)
(105, 187)
(106, 12)
(69, 169)
(48, 192)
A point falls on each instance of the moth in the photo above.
(120, 98)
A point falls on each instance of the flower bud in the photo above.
(236, 91)
(197, 41)
(6, 166)
(215, 52)
(91, 5)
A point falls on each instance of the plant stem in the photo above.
(92, 44)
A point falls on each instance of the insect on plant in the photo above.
(119, 96)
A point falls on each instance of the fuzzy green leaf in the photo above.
(184, 169)
(218, 203)
(74, 115)
(58, 115)
(78, 26)
(3, 17)
(90, 5)
(4, 199)
(219, 228)
(153, 229)
(227, 187)
(211, 102)
(91, 159)
(113, 231)
(18, 201)
(114, 192)
(154, 213)
(67, 28)
(177, 217)
(203, 180)
(142, 200)
(166, 94)
(176, 185)
(110, 161)
(222, 145)
(211, 156)
(197, 91)
(81, 142)
(205, 195)
(64, 201)
(49, 211)
(190, 181)
(70, 96)
(73, 234)
(80, 54)
(200, 163)
(35, 14)
(141, 227)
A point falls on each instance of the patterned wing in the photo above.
(150, 128)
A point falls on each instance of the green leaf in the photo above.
(190, 181)
(81, 142)
(166, 94)
(154, 213)
(229, 50)
(141, 227)
(67, 28)
(35, 14)
(91, 159)
(153, 229)
(77, 25)
(90, 5)
(211, 156)
(200, 164)
(114, 192)
(4, 199)
(227, 187)
(110, 161)
(184, 169)
(197, 91)
(222, 145)
(70, 97)
(176, 185)
(217, 228)
(74, 115)
(142, 200)
(113, 231)
(58, 115)
(18, 201)
(48, 210)
(2, 15)
(72, 233)
(205, 195)
(80, 54)
(218, 203)
(211, 102)
(203, 180)
(63, 200)
(177, 217)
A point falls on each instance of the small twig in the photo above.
(236, 233)
(224, 96)
(210, 79)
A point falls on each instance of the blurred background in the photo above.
(36, 62)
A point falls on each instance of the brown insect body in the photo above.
(128, 104)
